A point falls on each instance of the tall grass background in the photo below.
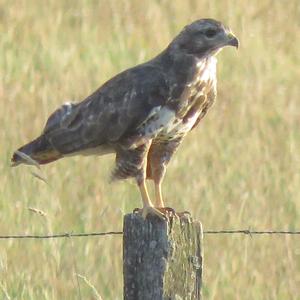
(238, 169)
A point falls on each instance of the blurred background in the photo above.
(238, 169)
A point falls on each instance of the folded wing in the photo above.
(112, 113)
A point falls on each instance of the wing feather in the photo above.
(111, 113)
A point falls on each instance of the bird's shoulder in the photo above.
(140, 82)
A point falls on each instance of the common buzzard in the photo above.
(142, 114)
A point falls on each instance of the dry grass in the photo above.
(240, 168)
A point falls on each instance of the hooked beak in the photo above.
(232, 40)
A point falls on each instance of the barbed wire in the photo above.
(59, 235)
(91, 234)
(252, 232)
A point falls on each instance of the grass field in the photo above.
(239, 169)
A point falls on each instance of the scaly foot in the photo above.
(167, 211)
(150, 210)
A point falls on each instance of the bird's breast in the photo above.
(183, 112)
(193, 102)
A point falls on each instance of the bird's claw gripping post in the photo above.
(168, 211)
(164, 213)
(149, 210)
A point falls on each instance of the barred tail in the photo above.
(39, 151)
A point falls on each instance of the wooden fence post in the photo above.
(162, 260)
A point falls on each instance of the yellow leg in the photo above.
(145, 195)
(148, 207)
(158, 195)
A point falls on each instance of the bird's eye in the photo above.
(210, 33)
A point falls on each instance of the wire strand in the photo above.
(59, 235)
(91, 234)
(251, 232)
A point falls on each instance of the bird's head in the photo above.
(204, 37)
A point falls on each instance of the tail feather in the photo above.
(39, 151)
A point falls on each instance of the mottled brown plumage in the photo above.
(142, 114)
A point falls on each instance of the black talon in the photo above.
(136, 210)
(171, 210)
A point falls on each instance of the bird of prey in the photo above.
(142, 114)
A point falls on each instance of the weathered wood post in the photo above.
(162, 260)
